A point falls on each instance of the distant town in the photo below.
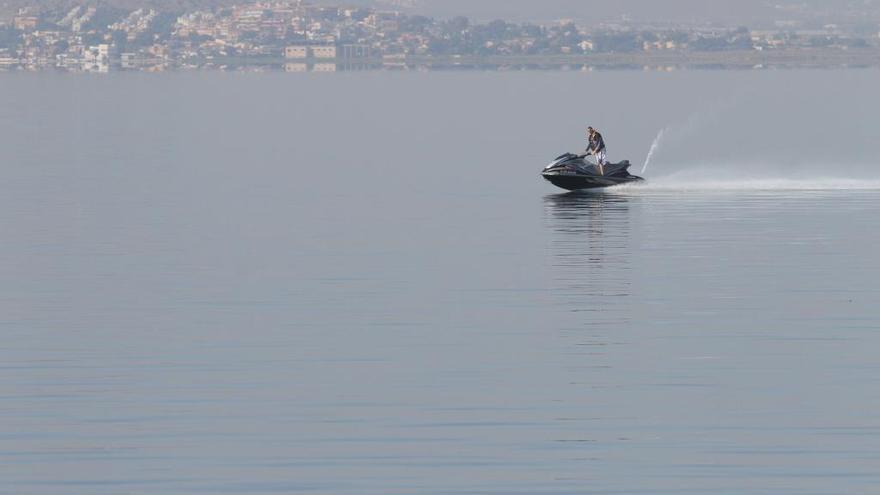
(297, 36)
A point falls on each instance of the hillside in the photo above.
(8, 6)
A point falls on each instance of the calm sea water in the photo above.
(358, 283)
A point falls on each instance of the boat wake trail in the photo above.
(830, 184)
(700, 180)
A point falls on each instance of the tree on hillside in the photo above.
(622, 42)
(9, 38)
(105, 16)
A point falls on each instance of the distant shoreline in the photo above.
(738, 60)
(751, 58)
(657, 60)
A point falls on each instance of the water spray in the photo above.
(654, 146)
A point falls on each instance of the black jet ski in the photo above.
(572, 172)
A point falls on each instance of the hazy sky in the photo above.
(651, 10)
(584, 9)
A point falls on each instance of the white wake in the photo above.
(816, 184)
(707, 179)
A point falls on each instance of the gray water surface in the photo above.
(271, 283)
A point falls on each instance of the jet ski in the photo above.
(573, 172)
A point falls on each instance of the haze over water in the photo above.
(358, 283)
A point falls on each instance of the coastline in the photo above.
(732, 60)
(651, 60)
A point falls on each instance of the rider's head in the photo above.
(590, 130)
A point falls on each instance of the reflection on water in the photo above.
(591, 247)
(591, 251)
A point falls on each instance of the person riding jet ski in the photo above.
(596, 147)
(573, 172)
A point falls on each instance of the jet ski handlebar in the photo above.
(571, 155)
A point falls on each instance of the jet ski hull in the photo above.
(576, 182)
(573, 173)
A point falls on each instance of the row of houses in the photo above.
(297, 31)
(327, 52)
